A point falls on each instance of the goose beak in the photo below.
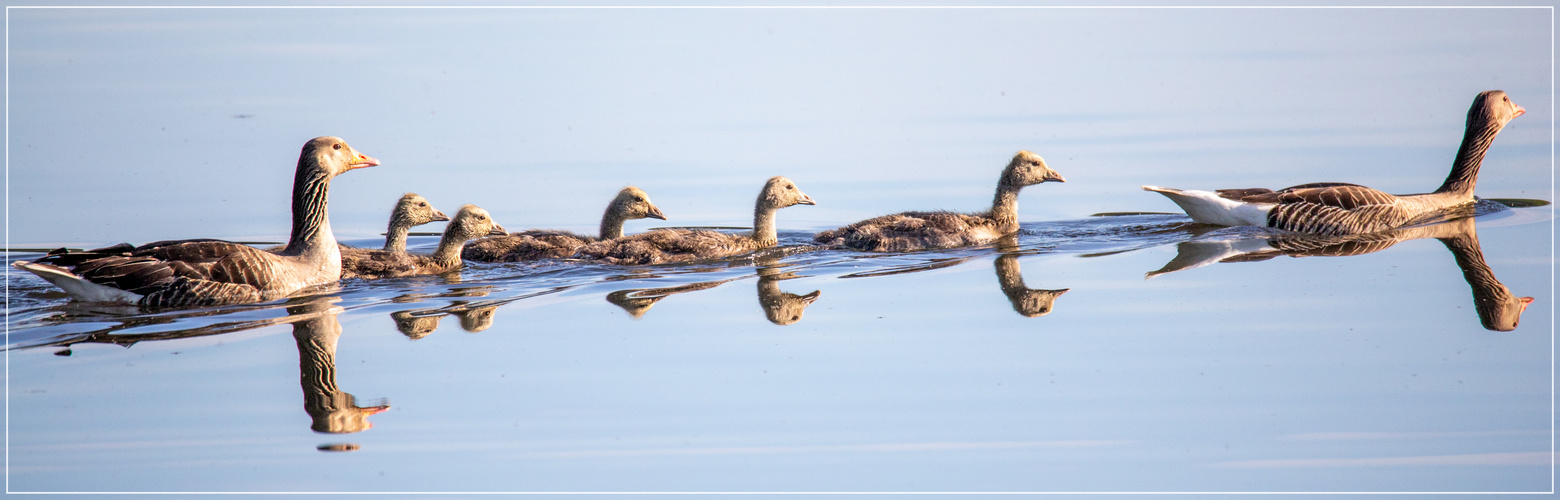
(363, 161)
(1520, 110)
(498, 231)
(1054, 177)
(439, 216)
(655, 213)
(806, 200)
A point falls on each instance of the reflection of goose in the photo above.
(209, 272)
(630, 203)
(780, 307)
(332, 410)
(1498, 308)
(1333, 208)
(680, 245)
(470, 223)
(915, 230)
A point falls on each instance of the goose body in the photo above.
(682, 245)
(941, 229)
(630, 203)
(1335, 208)
(210, 272)
(469, 223)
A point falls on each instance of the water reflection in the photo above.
(316, 328)
(1499, 309)
(474, 315)
(780, 307)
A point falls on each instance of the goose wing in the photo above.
(1330, 208)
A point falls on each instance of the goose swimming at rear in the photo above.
(1333, 208)
(681, 245)
(630, 203)
(210, 272)
(470, 223)
(916, 230)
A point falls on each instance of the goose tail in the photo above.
(78, 288)
(1208, 207)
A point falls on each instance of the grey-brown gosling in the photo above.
(941, 229)
(211, 272)
(469, 223)
(681, 245)
(411, 210)
(630, 203)
(1336, 208)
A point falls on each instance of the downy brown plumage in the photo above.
(681, 245)
(630, 203)
(917, 230)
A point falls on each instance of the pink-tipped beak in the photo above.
(1520, 110)
(363, 161)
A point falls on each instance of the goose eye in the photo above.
(336, 146)
(788, 186)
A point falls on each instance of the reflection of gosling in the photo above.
(470, 223)
(915, 230)
(630, 203)
(476, 319)
(681, 245)
(781, 308)
(637, 301)
(1031, 303)
(415, 324)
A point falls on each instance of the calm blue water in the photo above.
(1179, 358)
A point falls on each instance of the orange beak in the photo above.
(363, 161)
(1520, 110)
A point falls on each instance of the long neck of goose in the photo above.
(1009, 276)
(448, 253)
(1489, 295)
(611, 224)
(1004, 208)
(310, 220)
(1476, 142)
(395, 237)
(764, 226)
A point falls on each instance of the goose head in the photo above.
(472, 223)
(1028, 169)
(333, 156)
(780, 192)
(633, 203)
(1495, 107)
(413, 210)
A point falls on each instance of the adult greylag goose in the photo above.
(916, 230)
(210, 272)
(1335, 208)
(469, 223)
(681, 245)
(630, 203)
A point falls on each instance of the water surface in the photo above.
(1090, 353)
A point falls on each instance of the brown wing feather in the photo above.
(1332, 209)
(667, 245)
